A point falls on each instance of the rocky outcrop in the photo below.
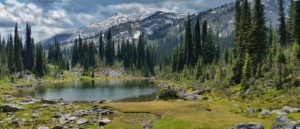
(104, 122)
(282, 122)
(82, 121)
(265, 112)
(11, 108)
(248, 126)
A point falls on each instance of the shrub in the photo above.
(168, 93)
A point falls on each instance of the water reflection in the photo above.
(125, 90)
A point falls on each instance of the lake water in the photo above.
(123, 90)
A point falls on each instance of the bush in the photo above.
(168, 93)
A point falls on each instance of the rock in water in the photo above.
(82, 121)
(282, 122)
(11, 108)
(104, 122)
(248, 126)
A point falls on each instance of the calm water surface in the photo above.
(124, 90)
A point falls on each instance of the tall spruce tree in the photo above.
(291, 23)
(101, 47)
(39, 68)
(10, 53)
(75, 53)
(29, 49)
(197, 41)
(297, 22)
(188, 43)
(108, 49)
(18, 51)
(141, 52)
(258, 34)
(282, 25)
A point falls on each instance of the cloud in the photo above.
(49, 17)
(44, 22)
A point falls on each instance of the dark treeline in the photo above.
(16, 58)
(132, 55)
(197, 47)
(259, 53)
(30, 58)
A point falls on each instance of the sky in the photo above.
(50, 17)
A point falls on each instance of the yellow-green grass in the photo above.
(189, 115)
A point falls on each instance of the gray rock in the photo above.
(1, 122)
(279, 112)
(82, 121)
(282, 122)
(235, 105)
(250, 110)
(11, 108)
(64, 119)
(35, 115)
(43, 127)
(104, 122)
(57, 114)
(45, 105)
(248, 126)
(265, 112)
(288, 109)
(57, 127)
(72, 118)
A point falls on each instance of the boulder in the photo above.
(288, 109)
(250, 110)
(64, 119)
(11, 108)
(248, 126)
(43, 127)
(57, 127)
(265, 112)
(282, 122)
(35, 115)
(279, 112)
(104, 122)
(82, 121)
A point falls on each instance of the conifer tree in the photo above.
(75, 53)
(291, 23)
(226, 53)
(282, 25)
(188, 43)
(108, 49)
(258, 34)
(101, 47)
(270, 33)
(18, 51)
(39, 62)
(10, 53)
(29, 49)
(134, 52)
(297, 22)
(141, 52)
(247, 69)
(197, 41)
